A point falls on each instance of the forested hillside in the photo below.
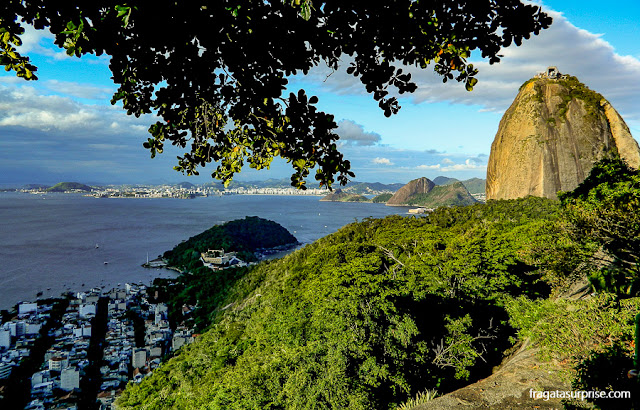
(370, 315)
(386, 308)
(68, 186)
(244, 236)
(454, 194)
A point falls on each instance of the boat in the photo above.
(106, 263)
(97, 246)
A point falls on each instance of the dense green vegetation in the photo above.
(384, 312)
(454, 194)
(579, 91)
(604, 211)
(473, 185)
(68, 186)
(369, 316)
(244, 236)
(575, 90)
(216, 73)
(382, 198)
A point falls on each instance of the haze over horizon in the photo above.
(62, 127)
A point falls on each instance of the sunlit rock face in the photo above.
(550, 137)
(417, 186)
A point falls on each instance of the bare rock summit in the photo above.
(550, 137)
(417, 186)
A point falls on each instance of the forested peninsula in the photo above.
(385, 312)
(245, 236)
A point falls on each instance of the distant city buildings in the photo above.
(219, 259)
(57, 383)
(169, 191)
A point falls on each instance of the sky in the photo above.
(63, 128)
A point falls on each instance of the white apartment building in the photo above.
(69, 379)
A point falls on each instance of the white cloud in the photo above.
(471, 164)
(140, 128)
(26, 108)
(32, 39)
(11, 79)
(447, 161)
(573, 50)
(86, 91)
(32, 42)
(108, 146)
(436, 166)
(352, 132)
(382, 161)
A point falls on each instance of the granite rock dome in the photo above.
(417, 186)
(550, 137)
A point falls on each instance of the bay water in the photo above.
(53, 243)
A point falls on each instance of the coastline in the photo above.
(49, 245)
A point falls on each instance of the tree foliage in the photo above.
(384, 309)
(364, 318)
(605, 213)
(244, 236)
(216, 72)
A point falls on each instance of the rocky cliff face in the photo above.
(417, 186)
(550, 137)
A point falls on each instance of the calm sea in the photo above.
(53, 243)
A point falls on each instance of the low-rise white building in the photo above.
(57, 363)
(5, 339)
(139, 358)
(69, 379)
(87, 309)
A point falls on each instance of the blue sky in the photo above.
(62, 127)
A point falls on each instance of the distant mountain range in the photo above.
(355, 187)
(185, 185)
(340, 196)
(424, 192)
(69, 186)
(420, 192)
(473, 185)
(454, 194)
(371, 187)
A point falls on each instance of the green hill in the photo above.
(454, 194)
(340, 196)
(371, 187)
(382, 198)
(475, 185)
(244, 236)
(387, 309)
(69, 186)
(350, 321)
(444, 180)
